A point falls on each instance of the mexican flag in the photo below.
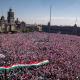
(28, 65)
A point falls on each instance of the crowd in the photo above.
(62, 51)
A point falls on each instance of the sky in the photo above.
(64, 12)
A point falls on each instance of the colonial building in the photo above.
(12, 25)
(7, 25)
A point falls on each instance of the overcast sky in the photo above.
(64, 12)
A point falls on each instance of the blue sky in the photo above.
(37, 11)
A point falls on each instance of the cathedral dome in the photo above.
(10, 10)
(2, 18)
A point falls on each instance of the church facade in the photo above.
(7, 25)
(12, 25)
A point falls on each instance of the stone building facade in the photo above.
(7, 25)
(12, 25)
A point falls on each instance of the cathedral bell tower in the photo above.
(2, 24)
(10, 19)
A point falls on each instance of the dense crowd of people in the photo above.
(62, 51)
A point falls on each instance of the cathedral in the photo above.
(8, 25)
(12, 25)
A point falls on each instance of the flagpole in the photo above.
(50, 14)
(49, 24)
